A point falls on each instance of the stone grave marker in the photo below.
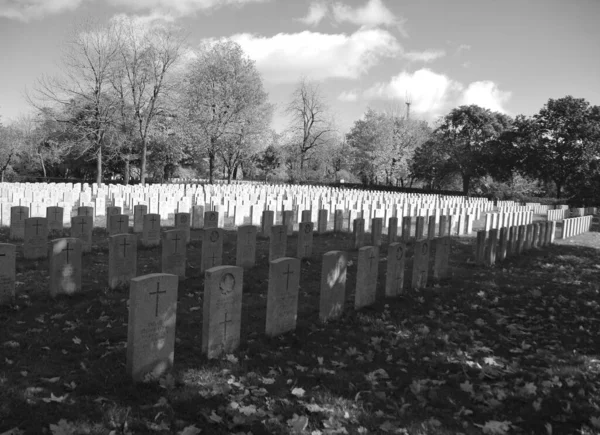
(85, 211)
(520, 239)
(7, 272)
(246, 246)
(222, 310)
(81, 228)
(333, 285)
(376, 231)
(118, 224)
(122, 259)
(197, 216)
(54, 215)
(536, 235)
(36, 238)
(111, 211)
(18, 214)
(151, 325)
(491, 247)
(543, 230)
(139, 211)
(338, 220)
(211, 219)
(443, 248)
(358, 231)
(305, 240)
(444, 226)
(420, 227)
(406, 227)
(288, 221)
(174, 253)
(366, 276)
(65, 266)
(268, 218)
(306, 216)
(431, 228)
(480, 247)
(528, 236)
(182, 222)
(282, 296)
(502, 248)
(392, 230)
(277, 242)
(322, 218)
(420, 269)
(212, 248)
(551, 232)
(394, 279)
(151, 230)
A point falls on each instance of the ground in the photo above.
(508, 349)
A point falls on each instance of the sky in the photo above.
(510, 56)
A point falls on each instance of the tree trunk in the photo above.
(99, 166)
(126, 175)
(466, 180)
(143, 163)
(43, 166)
(558, 189)
(2, 176)
(235, 171)
(211, 167)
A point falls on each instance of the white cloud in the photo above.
(35, 9)
(285, 57)
(316, 13)
(424, 56)
(485, 94)
(434, 94)
(373, 13)
(179, 8)
(348, 96)
(463, 47)
(430, 93)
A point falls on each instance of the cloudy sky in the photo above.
(509, 55)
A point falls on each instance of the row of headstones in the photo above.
(576, 225)
(507, 219)
(153, 300)
(497, 244)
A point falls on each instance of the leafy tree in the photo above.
(269, 160)
(221, 99)
(430, 163)
(562, 142)
(466, 135)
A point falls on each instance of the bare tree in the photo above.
(147, 55)
(221, 93)
(81, 92)
(311, 125)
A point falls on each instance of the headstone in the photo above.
(122, 259)
(333, 285)
(392, 230)
(139, 211)
(282, 295)
(520, 239)
(552, 232)
(406, 227)
(431, 228)
(420, 270)
(366, 276)
(151, 230)
(85, 211)
(444, 226)
(491, 248)
(288, 221)
(182, 222)
(358, 231)
(338, 220)
(305, 240)
(18, 214)
(118, 224)
(536, 235)
(211, 219)
(376, 231)
(197, 216)
(111, 211)
(322, 218)
(54, 215)
(480, 247)
(277, 242)
(502, 248)
(212, 248)
(36, 238)
(420, 227)
(394, 280)
(7, 272)
(442, 257)
(65, 266)
(81, 228)
(246, 246)
(306, 216)
(528, 236)
(151, 325)
(174, 253)
(222, 310)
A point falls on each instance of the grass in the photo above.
(509, 349)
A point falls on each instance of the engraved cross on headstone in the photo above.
(224, 323)
(125, 245)
(288, 273)
(158, 292)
